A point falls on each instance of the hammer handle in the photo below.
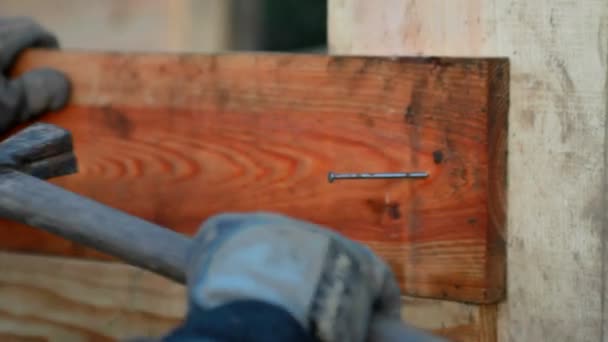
(40, 204)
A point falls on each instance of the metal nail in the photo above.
(332, 176)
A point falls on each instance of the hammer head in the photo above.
(41, 150)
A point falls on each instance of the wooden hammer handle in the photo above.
(40, 204)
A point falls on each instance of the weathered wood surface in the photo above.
(558, 52)
(63, 300)
(176, 138)
(66, 300)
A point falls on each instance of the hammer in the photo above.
(42, 151)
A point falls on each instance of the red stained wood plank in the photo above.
(177, 138)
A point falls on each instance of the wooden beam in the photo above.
(557, 155)
(175, 139)
(50, 298)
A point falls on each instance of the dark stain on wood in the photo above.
(336, 63)
(367, 120)
(409, 115)
(375, 206)
(438, 156)
(223, 98)
(389, 84)
(117, 121)
(394, 211)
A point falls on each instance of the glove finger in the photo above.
(18, 34)
(32, 94)
(378, 274)
(388, 300)
(219, 227)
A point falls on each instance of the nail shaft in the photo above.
(331, 176)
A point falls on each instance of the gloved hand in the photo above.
(266, 277)
(36, 91)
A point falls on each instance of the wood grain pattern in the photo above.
(58, 299)
(453, 320)
(176, 138)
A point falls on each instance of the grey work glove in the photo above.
(335, 288)
(36, 91)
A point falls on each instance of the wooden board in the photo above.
(58, 299)
(66, 300)
(558, 51)
(176, 138)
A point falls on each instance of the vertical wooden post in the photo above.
(557, 154)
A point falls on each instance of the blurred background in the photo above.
(181, 25)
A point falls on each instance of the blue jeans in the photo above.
(241, 321)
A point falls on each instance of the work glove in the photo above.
(267, 277)
(36, 91)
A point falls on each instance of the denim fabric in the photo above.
(242, 321)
